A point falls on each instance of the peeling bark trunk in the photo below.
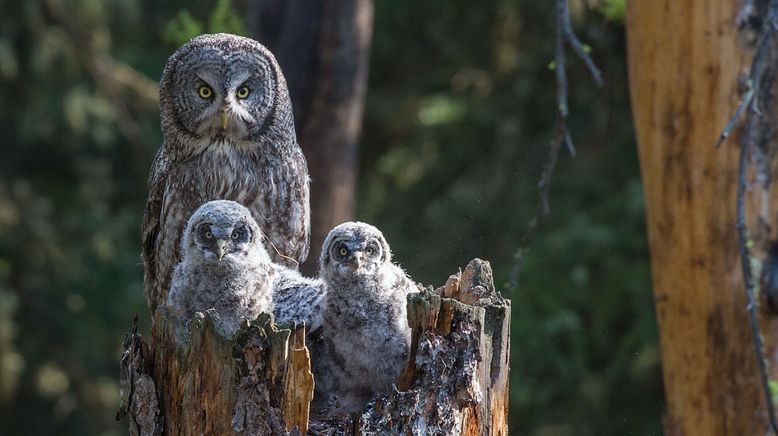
(259, 382)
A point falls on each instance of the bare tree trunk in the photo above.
(323, 49)
(686, 58)
(455, 382)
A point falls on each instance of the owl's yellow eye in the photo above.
(343, 251)
(205, 91)
(208, 235)
(243, 92)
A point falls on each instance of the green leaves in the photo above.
(614, 10)
(182, 28)
(223, 19)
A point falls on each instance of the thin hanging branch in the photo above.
(750, 97)
(745, 260)
(564, 34)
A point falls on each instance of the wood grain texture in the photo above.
(685, 60)
(258, 382)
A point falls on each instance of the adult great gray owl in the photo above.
(228, 134)
(365, 335)
(225, 266)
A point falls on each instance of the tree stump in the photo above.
(259, 382)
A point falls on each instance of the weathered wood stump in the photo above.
(259, 382)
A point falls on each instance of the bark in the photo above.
(259, 382)
(685, 61)
(323, 49)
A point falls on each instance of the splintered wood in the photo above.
(259, 382)
(298, 386)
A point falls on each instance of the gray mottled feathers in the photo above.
(224, 267)
(228, 134)
(365, 335)
(297, 299)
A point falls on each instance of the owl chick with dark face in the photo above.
(228, 135)
(224, 266)
(365, 335)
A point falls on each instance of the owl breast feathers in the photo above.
(365, 335)
(228, 135)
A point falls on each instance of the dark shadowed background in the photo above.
(458, 115)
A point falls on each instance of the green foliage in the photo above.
(614, 10)
(226, 19)
(460, 110)
(184, 26)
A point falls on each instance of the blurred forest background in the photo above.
(459, 113)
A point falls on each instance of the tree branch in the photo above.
(749, 98)
(564, 34)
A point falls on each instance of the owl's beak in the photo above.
(357, 261)
(225, 119)
(221, 248)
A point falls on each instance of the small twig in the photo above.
(755, 75)
(563, 13)
(747, 97)
(564, 34)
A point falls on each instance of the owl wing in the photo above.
(151, 218)
(297, 299)
(399, 281)
(301, 224)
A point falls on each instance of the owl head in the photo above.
(353, 249)
(223, 231)
(222, 88)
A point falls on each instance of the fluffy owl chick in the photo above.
(224, 266)
(365, 335)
